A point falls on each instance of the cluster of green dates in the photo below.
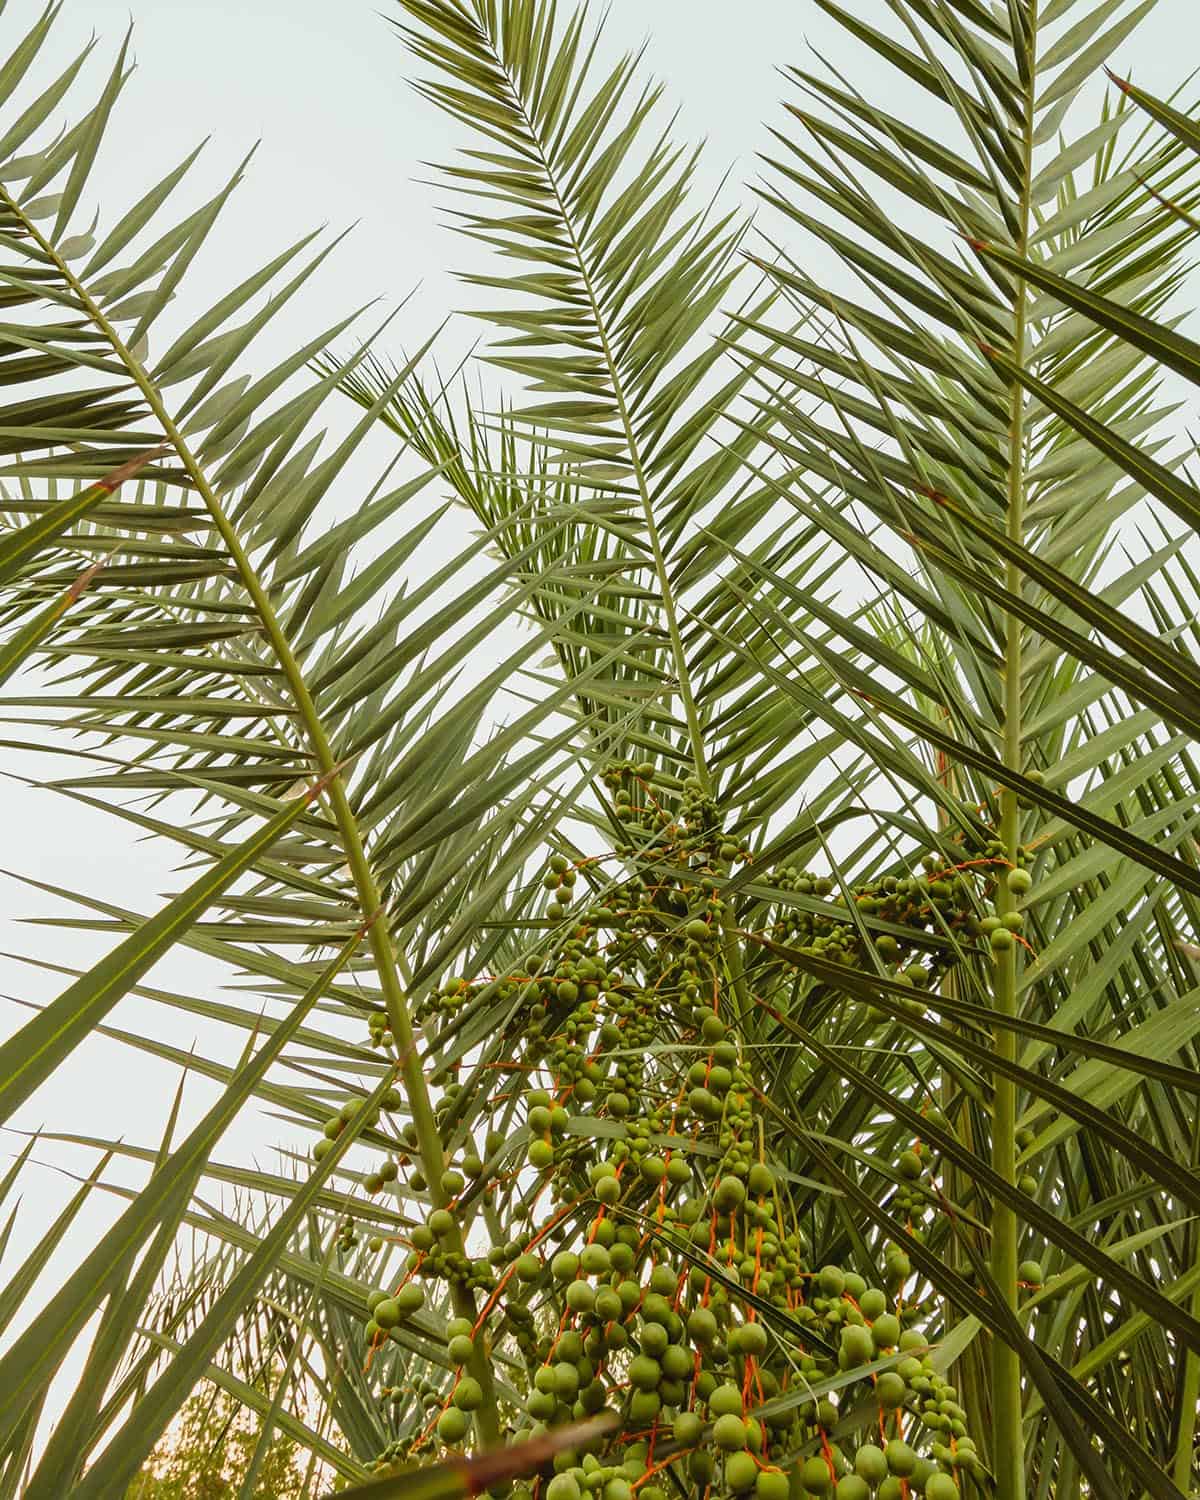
(349, 1111)
(700, 1381)
(653, 809)
(667, 1274)
(942, 899)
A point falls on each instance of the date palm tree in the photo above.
(851, 705)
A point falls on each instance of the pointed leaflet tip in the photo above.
(85, 578)
(311, 793)
(127, 470)
(1122, 83)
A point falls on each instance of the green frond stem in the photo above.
(1008, 1445)
(653, 536)
(386, 958)
(587, 280)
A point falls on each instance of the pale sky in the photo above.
(343, 139)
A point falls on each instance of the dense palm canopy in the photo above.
(843, 753)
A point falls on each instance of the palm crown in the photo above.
(805, 899)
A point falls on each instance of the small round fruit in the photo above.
(740, 1472)
(729, 1433)
(852, 1487)
(686, 1429)
(712, 1029)
(565, 1265)
(857, 1345)
(815, 1476)
(581, 1296)
(700, 1467)
(910, 1165)
(752, 1340)
(1028, 1184)
(941, 1487)
(898, 1266)
(594, 1260)
(655, 1339)
(608, 1190)
(771, 1484)
(563, 1487)
(676, 1362)
(441, 1221)
(467, 1394)
(541, 1155)
(832, 1281)
(872, 1302)
(656, 1309)
(901, 1458)
(387, 1313)
(1019, 881)
(452, 1425)
(644, 1407)
(409, 1298)
(890, 1391)
(607, 1306)
(885, 1331)
(870, 1463)
(762, 1181)
(1031, 1272)
(1001, 940)
(529, 1268)
(460, 1348)
(702, 1329)
(725, 1401)
(729, 1195)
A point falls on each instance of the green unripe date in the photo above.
(729, 1433)
(452, 1425)
(870, 1463)
(741, 1472)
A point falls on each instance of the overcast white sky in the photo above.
(343, 139)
